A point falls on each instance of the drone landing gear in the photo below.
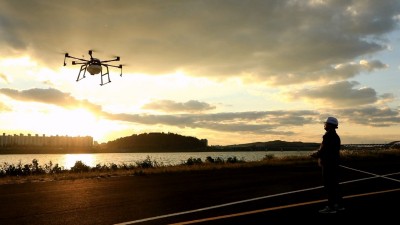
(105, 74)
(83, 68)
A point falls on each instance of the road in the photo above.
(273, 195)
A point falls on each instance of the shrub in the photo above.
(269, 157)
(193, 161)
(126, 166)
(100, 168)
(56, 169)
(147, 163)
(80, 167)
(233, 160)
(113, 166)
(219, 160)
(209, 159)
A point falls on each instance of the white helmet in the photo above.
(332, 120)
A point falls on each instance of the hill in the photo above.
(156, 142)
(170, 142)
(276, 145)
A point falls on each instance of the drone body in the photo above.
(93, 66)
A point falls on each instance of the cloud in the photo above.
(4, 78)
(371, 116)
(50, 96)
(386, 97)
(275, 122)
(172, 106)
(267, 122)
(4, 107)
(263, 122)
(337, 72)
(339, 94)
(278, 42)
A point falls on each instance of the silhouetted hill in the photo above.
(151, 142)
(170, 142)
(276, 145)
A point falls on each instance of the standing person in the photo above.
(328, 156)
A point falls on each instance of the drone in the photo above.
(93, 66)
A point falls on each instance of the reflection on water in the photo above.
(71, 159)
(173, 158)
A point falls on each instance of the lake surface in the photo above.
(174, 158)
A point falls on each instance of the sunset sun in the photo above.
(72, 122)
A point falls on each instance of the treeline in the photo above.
(148, 142)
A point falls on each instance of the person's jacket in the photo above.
(329, 151)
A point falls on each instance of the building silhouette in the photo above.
(48, 141)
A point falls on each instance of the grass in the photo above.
(33, 172)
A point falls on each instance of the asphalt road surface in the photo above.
(264, 195)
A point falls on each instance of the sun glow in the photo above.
(37, 118)
(79, 122)
(72, 122)
(23, 61)
(71, 159)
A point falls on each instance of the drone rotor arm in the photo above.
(111, 60)
(115, 66)
(72, 57)
(76, 63)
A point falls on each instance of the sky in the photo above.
(231, 71)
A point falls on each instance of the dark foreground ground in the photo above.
(257, 195)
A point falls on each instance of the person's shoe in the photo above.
(339, 207)
(327, 210)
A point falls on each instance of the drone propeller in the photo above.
(90, 54)
(58, 51)
(65, 53)
(115, 57)
(92, 50)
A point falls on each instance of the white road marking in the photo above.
(373, 174)
(215, 206)
(258, 198)
(277, 208)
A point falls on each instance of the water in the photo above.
(68, 160)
